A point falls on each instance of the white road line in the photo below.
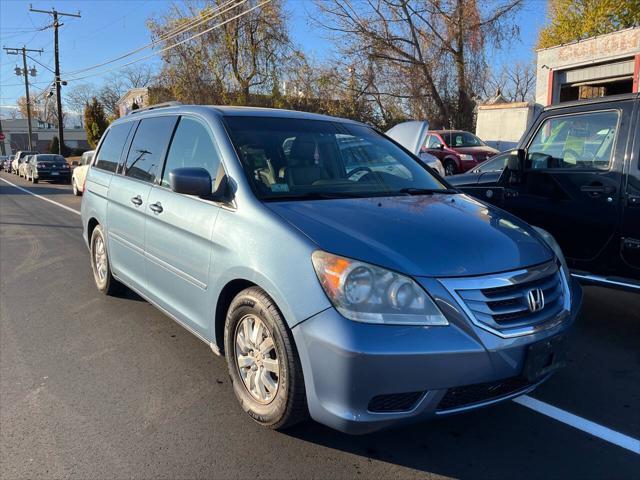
(556, 413)
(41, 197)
(580, 423)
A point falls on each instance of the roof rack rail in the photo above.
(157, 105)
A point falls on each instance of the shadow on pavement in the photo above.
(22, 224)
(40, 189)
(504, 441)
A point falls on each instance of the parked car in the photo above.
(49, 167)
(19, 158)
(576, 174)
(459, 151)
(7, 163)
(80, 172)
(3, 159)
(487, 172)
(404, 131)
(22, 167)
(355, 298)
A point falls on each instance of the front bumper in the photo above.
(350, 366)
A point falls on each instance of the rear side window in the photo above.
(192, 146)
(149, 145)
(112, 145)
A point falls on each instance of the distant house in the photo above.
(134, 98)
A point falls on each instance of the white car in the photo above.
(433, 162)
(80, 172)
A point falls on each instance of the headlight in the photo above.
(370, 294)
(549, 240)
(464, 156)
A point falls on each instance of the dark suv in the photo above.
(576, 174)
(459, 151)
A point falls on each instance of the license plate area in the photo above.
(545, 357)
(54, 173)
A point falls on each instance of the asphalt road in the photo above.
(103, 387)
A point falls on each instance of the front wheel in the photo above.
(449, 167)
(263, 362)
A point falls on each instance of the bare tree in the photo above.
(244, 55)
(515, 82)
(434, 47)
(118, 83)
(78, 97)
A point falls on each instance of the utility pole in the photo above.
(25, 72)
(53, 12)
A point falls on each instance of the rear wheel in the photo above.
(263, 362)
(100, 263)
(449, 167)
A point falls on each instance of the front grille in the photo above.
(505, 306)
(395, 402)
(469, 395)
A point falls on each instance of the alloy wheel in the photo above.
(100, 259)
(257, 359)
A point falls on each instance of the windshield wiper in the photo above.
(427, 191)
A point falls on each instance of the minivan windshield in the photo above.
(290, 158)
(462, 139)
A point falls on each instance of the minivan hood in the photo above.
(430, 235)
(485, 151)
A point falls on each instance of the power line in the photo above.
(221, 9)
(173, 45)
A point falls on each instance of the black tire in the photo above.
(449, 167)
(34, 180)
(106, 283)
(288, 407)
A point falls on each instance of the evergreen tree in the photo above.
(95, 121)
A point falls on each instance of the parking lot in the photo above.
(94, 386)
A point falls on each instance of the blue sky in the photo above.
(112, 27)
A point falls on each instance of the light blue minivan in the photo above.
(341, 277)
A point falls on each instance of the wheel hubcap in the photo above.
(257, 359)
(100, 259)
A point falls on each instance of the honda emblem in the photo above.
(535, 300)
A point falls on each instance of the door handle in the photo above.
(156, 207)
(137, 200)
(597, 189)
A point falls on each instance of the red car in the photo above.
(458, 150)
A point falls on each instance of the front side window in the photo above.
(149, 144)
(575, 141)
(112, 146)
(433, 141)
(192, 146)
(288, 158)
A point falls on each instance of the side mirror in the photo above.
(441, 146)
(190, 181)
(515, 165)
